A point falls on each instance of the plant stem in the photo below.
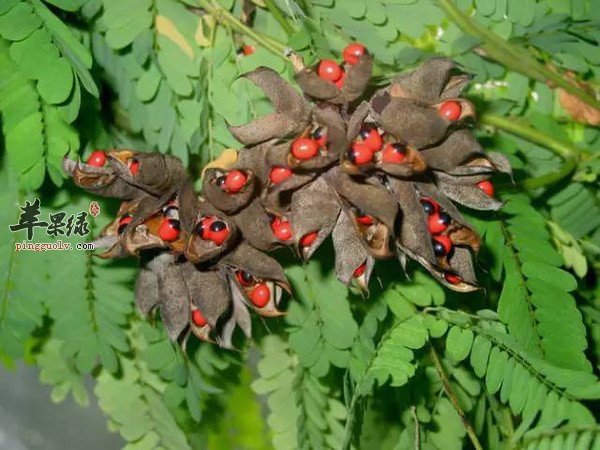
(224, 16)
(512, 56)
(568, 152)
(454, 400)
(279, 17)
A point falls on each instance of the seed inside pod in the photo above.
(429, 206)
(353, 52)
(438, 222)
(360, 270)
(279, 174)
(234, 181)
(487, 187)
(134, 166)
(218, 232)
(365, 220)
(371, 138)
(260, 295)
(340, 83)
(304, 149)
(308, 239)
(393, 153)
(169, 230)
(198, 318)
(244, 278)
(320, 136)
(442, 245)
(97, 159)
(282, 229)
(329, 70)
(452, 278)
(125, 219)
(451, 110)
(359, 154)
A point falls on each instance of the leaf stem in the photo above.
(453, 399)
(566, 151)
(279, 17)
(224, 16)
(512, 56)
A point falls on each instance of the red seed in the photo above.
(169, 230)
(329, 70)
(365, 220)
(353, 52)
(260, 295)
(134, 166)
(282, 229)
(279, 174)
(393, 154)
(97, 158)
(123, 221)
(218, 232)
(248, 49)
(234, 181)
(372, 139)
(198, 318)
(244, 278)
(203, 227)
(451, 110)
(438, 223)
(452, 278)
(487, 187)
(444, 245)
(360, 270)
(430, 206)
(340, 83)
(360, 154)
(320, 136)
(304, 149)
(308, 239)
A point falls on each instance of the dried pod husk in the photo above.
(413, 237)
(240, 316)
(313, 209)
(435, 79)
(357, 77)
(102, 181)
(147, 291)
(291, 110)
(208, 291)
(464, 190)
(350, 252)
(334, 126)
(461, 264)
(229, 203)
(417, 124)
(260, 265)
(254, 223)
(174, 298)
(373, 200)
(157, 174)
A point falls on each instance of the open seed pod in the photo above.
(291, 110)
(381, 175)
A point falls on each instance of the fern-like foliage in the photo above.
(303, 413)
(322, 327)
(536, 291)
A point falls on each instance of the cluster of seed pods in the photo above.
(380, 175)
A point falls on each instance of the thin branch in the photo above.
(222, 15)
(512, 56)
(568, 152)
(279, 17)
(454, 400)
(413, 412)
